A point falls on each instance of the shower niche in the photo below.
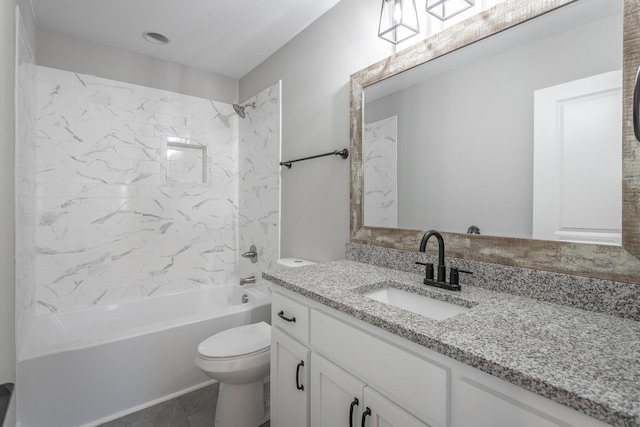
(186, 163)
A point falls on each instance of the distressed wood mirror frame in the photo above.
(600, 261)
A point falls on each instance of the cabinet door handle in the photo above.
(364, 415)
(355, 402)
(288, 319)
(298, 385)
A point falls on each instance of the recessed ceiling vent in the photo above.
(155, 38)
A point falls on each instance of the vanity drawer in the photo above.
(290, 316)
(418, 385)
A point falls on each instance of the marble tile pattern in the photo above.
(584, 360)
(111, 224)
(259, 184)
(186, 165)
(586, 293)
(25, 180)
(380, 172)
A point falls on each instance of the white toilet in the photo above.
(239, 358)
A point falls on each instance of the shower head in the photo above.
(239, 109)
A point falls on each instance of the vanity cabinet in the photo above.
(290, 360)
(340, 399)
(290, 381)
(350, 365)
(419, 385)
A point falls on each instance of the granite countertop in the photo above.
(584, 360)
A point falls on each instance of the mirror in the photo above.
(466, 128)
(404, 127)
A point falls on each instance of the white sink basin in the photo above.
(419, 304)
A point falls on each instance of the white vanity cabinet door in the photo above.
(385, 413)
(419, 384)
(488, 402)
(480, 407)
(289, 381)
(334, 391)
(336, 396)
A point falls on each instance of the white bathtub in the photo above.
(86, 367)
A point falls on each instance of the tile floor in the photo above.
(195, 409)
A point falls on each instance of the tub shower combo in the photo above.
(134, 207)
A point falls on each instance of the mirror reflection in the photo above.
(518, 135)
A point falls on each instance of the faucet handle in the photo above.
(429, 269)
(454, 275)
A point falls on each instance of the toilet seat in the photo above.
(236, 343)
(239, 358)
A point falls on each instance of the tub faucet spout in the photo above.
(247, 280)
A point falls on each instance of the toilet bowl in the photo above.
(239, 358)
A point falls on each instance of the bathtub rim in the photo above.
(261, 292)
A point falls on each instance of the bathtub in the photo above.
(90, 366)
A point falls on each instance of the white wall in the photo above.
(25, 179)
(58, 50)
(7, 294)
(8, 138)
(315, 68)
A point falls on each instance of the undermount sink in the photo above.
(416, 303)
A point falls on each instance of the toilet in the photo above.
(239, 359)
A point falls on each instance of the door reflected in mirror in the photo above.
(518, 134)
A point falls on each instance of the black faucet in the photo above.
(442, 269)
(453, 284)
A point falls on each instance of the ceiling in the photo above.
(225, 37)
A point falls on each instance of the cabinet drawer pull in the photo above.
(298, 385)
(282, 316)
(355, 402)
(364, 415)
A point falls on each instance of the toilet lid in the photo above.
(238, 341)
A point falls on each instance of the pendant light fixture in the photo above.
(398, 20)
(445, 9)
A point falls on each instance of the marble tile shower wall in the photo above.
(25, 183)
(259, 158)
(124, 209)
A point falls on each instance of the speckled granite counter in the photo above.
(584, 360)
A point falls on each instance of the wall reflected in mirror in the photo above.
(518, 134)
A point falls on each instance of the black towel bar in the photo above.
(344, 153)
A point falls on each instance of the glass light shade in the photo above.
(445, 9)
(398, 20)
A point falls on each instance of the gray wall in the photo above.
(315, 68)
(7, 290)
(7, 136)
(65, 52)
